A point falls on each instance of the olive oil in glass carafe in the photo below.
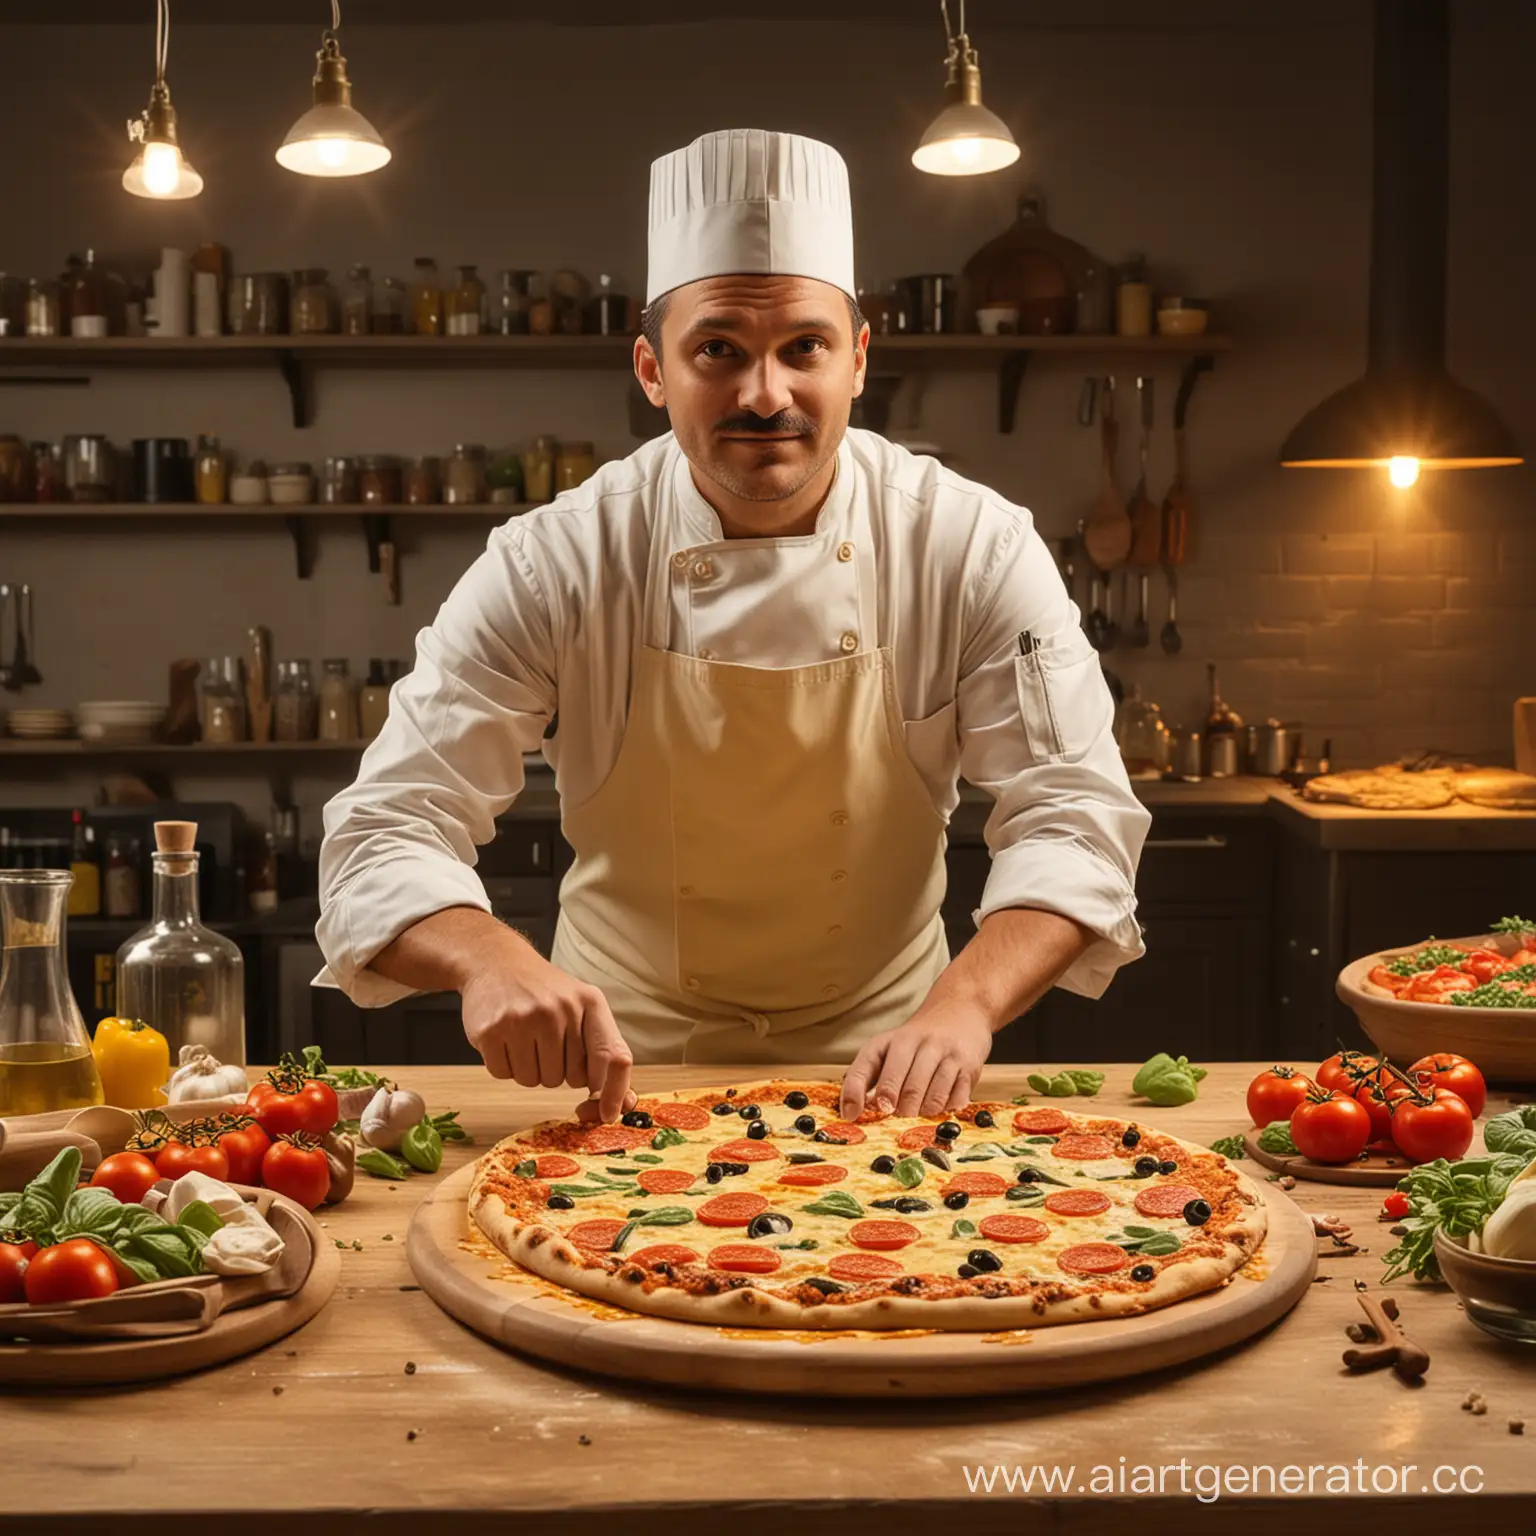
(45, 1053)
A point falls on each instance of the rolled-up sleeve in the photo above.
(1036, 725)
(400, 842)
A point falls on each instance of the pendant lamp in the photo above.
(333, 138)
(159, 170)
(965, 139)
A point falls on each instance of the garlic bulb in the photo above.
(390, 1114)
(202, 1076)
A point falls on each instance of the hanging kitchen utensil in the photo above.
(1172, 640)
(1178, 506)
(8, 679)
(1107, 536)
(1141, 631)
(1097, 624)
(23, 673)
(1111, 630)
(258, 682)
(1146, 522)
(1087, 398)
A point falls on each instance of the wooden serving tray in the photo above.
(522, 1311)
(1376, 1168)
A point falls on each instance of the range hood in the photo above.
(1406, 412)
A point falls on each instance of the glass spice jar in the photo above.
(421, 482)
(574, 463)
(391, 308)
(47, 478)
(378, 481)
(42, 308)
(338, 702)
(464, 476)
(513, 300)
(338, 482)
(296, 709)
(211, 471)
(357, 302)
(373, 704)
(223, 709)
(539, 470)
(464, 304)
(121, 886)
(427, 299)
(314, 302)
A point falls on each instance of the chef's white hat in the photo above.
(744, 200)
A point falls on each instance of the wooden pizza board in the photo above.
(1375, 1168)
(510, 1307)
(231, 1334)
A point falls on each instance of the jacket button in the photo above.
(839, 818)
(680, 559)
(705, 654)
(850, 641)
(692, 983)
(830, 991)
(838, 876)
(703, 570)
(845, 552)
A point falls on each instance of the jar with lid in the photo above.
(338, 482)
(608, 309)
(15, 469)
(539, 470)
(1133, 299)
(357, 302)
(314, 302)
(421, 482)
(120, 879)
(258, 304)
(42, 308)
(13, 305)
(223, 707)
(391, 308)
(90, 473)
(47, 477)
(373, 703)
(574, 463)
(464, 304)
(514, 298)
(426, 299)
(88, 300)
(378, 481)
(212, 471)
(1142, 737)
(297, 710)
(464, 476)
(338, 702)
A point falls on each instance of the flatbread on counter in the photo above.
(1385, 789)
(1498, 789)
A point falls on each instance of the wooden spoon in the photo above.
(1146, 523)
(1178, 506)
(1107, 536)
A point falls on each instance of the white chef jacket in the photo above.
(995, 682)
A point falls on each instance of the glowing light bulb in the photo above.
(1403, 471)
(965, 151)
(332, 153)
(162, 168)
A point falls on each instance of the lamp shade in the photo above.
(965, 139)
(160, 171)
(333, 140)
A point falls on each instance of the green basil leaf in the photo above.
(143, 1268)
(910, 1172)
(1049, 1141)
(835, 1203)
(167, 1249)
(42, 1201)
(1152, 1067)
(136, 1218)
(1161, 1245)
(90, 1212)
(422, 1147)
(1025, 1194)
(963, 1228)
(1019, 1098)
(982, 1151)
(199, 1216)
(668, 1136)
(1142, 1231)
(381, 1165)
(805, 1243)
(526, 1169)
(1276, 1139)
(1039, 1082)
(1086, 1082)
(1061, 1086)
(1230, 1147)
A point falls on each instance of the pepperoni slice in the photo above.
(1077, 1202)
(615, 1138)
(1008, 1228)
(843, 1132)
(1165, 1199)
(596, 1236)
(916, 1137)
(744, 1259)
(555, 1166)
(882, 1234)
(732, 1210)
(863, 1266)
(979, 1186)
(663, 1253)
(813, 1175)
(681, 1117)
(1093, 1259)
(744, 1151)
(1040, 1122)
(665, 1181)
(1086, 1147)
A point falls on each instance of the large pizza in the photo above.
(755, 1205)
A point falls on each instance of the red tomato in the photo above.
(1427, 1128)
(286, 1103)
(1395, 1206)
(176, 1158)
(1331, 1129)
(296, 1167)
(14, 1258)
(72, 1271)
(244, 1145)
(1275, 1093)
(1445, 1070)
(1344, 1071)
(129, 1175)
(1375, 1096)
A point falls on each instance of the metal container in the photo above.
(89, 472)
(1272, 747)
(162, 470)
(1225, 759)
(1184, 756)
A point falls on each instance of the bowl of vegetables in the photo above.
(1475, 996)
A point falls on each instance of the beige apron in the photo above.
(759, 877)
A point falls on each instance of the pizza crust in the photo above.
(543, 1251)
(1384, 789)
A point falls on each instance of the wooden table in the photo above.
(315, 1433)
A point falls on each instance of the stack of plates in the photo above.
(120, 722)
(41, 724)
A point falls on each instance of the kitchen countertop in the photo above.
(311, 1434)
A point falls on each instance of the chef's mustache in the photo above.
(779, 422)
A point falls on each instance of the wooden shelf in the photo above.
(51, 511)
(11, 746)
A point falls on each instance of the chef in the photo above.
(757, 654)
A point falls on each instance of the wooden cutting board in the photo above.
(508, 1306)
(1374, 1168)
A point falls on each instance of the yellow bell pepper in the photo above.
(134, 1061)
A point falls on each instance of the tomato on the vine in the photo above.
(285, 1101)
(176, 1158)
(245, 1143)
(76, 1270)
(1275, 1093)
(1446, 1070)
(1375, 1095)
(129, 1175)
(296, 1166)
(1437, 1123)
(14, 1258)
(1344, 1070)
(1330, 1127)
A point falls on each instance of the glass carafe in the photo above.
(184, 979)
(45, 1053)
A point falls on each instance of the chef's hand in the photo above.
(535, 1024)
(924, 1067)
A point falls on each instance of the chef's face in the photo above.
(758, 375)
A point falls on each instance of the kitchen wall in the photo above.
(1234, 152)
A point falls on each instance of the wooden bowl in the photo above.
(1501, 1041)
(1499, 1295)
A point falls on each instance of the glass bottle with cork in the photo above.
(426, 299)
(184, 979)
